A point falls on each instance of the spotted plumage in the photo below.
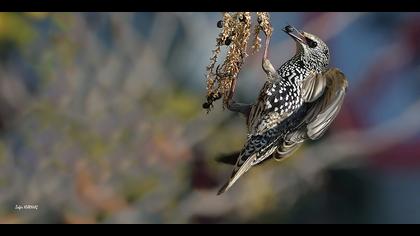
(298, 102)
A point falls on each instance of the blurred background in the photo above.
(101, 122)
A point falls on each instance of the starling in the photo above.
(298, 102)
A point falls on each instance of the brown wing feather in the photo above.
(327, 108)
(327, 92)
(313, 87)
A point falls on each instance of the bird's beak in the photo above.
(297, 36)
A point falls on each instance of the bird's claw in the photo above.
(239, 107)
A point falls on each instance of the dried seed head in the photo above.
(217, 96)
(264, 22)
(236, 31)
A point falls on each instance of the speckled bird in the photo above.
(298, 102)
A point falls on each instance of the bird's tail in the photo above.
(256, 150)
(239, 170)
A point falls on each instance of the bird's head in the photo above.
(311, 49)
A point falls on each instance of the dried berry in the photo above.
(259, 20)
(228, 41)
(220, 24)
(206, 105)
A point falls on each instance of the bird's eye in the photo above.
(311, 43)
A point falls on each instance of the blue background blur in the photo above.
(101, 122)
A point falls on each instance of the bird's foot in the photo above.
(239, 107)
(269, 70)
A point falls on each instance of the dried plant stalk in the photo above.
(235, 34)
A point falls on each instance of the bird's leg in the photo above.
(236, 106)
(239, 107)
(266, 64)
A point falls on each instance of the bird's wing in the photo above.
(287, 148)
(325, 109)
(321, 112)
(265, 114)
(313, 87)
